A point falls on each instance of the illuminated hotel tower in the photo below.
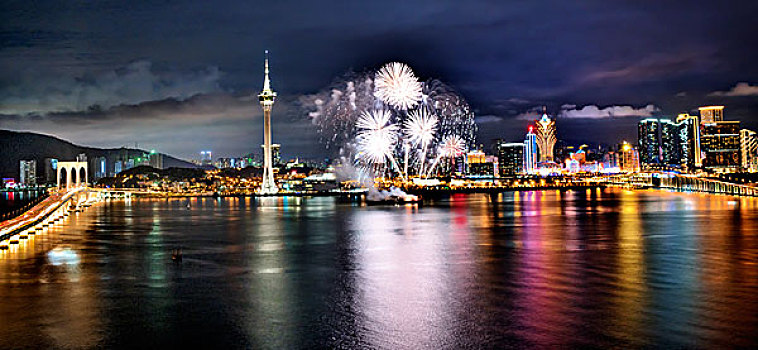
(711, 114)
(266, 98)
(545, 137)
(530, 152)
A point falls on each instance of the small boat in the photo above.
(176, 255)
(394, 200)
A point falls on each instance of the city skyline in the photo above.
(644, 62)
(423, 174)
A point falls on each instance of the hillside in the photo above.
(17, 146)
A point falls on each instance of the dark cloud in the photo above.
(134, 83)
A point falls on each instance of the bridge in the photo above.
(75, 174)
(72, 194)
(681, 182)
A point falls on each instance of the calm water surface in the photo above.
(599, 269)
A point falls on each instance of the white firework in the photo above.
(396, 85)
(420, 127)
(452, 146)
(377, 136)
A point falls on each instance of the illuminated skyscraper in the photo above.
(545, 138)
(711, 114)
(530, 152)
(28, 172)
(720, 141)
(670, 143)
(650, 147)
(664, 144)
(510, 157)
(749, 150)
(689, 134)
(266, 98)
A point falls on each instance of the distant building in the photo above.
(51, 167)
(276, 156)
(664, 144)
(720, 142)
(479, 164)
(530, 152)
(649, 144)
(155, 160)
(206, 158)
(711, 114)
(611, 160)
(629, 161)
(545, 131)
(510, 157)
(670, 143)
(28, 173)
(749, 150)
(689, 139)
(100, 165)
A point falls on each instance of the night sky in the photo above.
(180, 77)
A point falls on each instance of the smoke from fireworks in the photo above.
(348, 112)
(397, 86)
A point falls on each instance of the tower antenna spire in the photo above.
(266, 80)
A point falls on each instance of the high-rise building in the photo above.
(650, 147)
(510, 157)
(749, 150)
(51, 166)
(206, 158)
(546, 139)
(155, 159)
(720, 142)
(276, 157)
(630, 159)
(711, 114)
(28, 173)
(479, 164)
(99, 164)
(670, 143)
(660, 143)
(266, 98)
(689, 138)
(530, 152)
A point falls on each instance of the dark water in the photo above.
(12, 200)
(596, 269)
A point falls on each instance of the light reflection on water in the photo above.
(520, 269)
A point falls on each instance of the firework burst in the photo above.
(377, 136)
(377, 118)
(420, 127)
(452, 146)
(396, 85)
